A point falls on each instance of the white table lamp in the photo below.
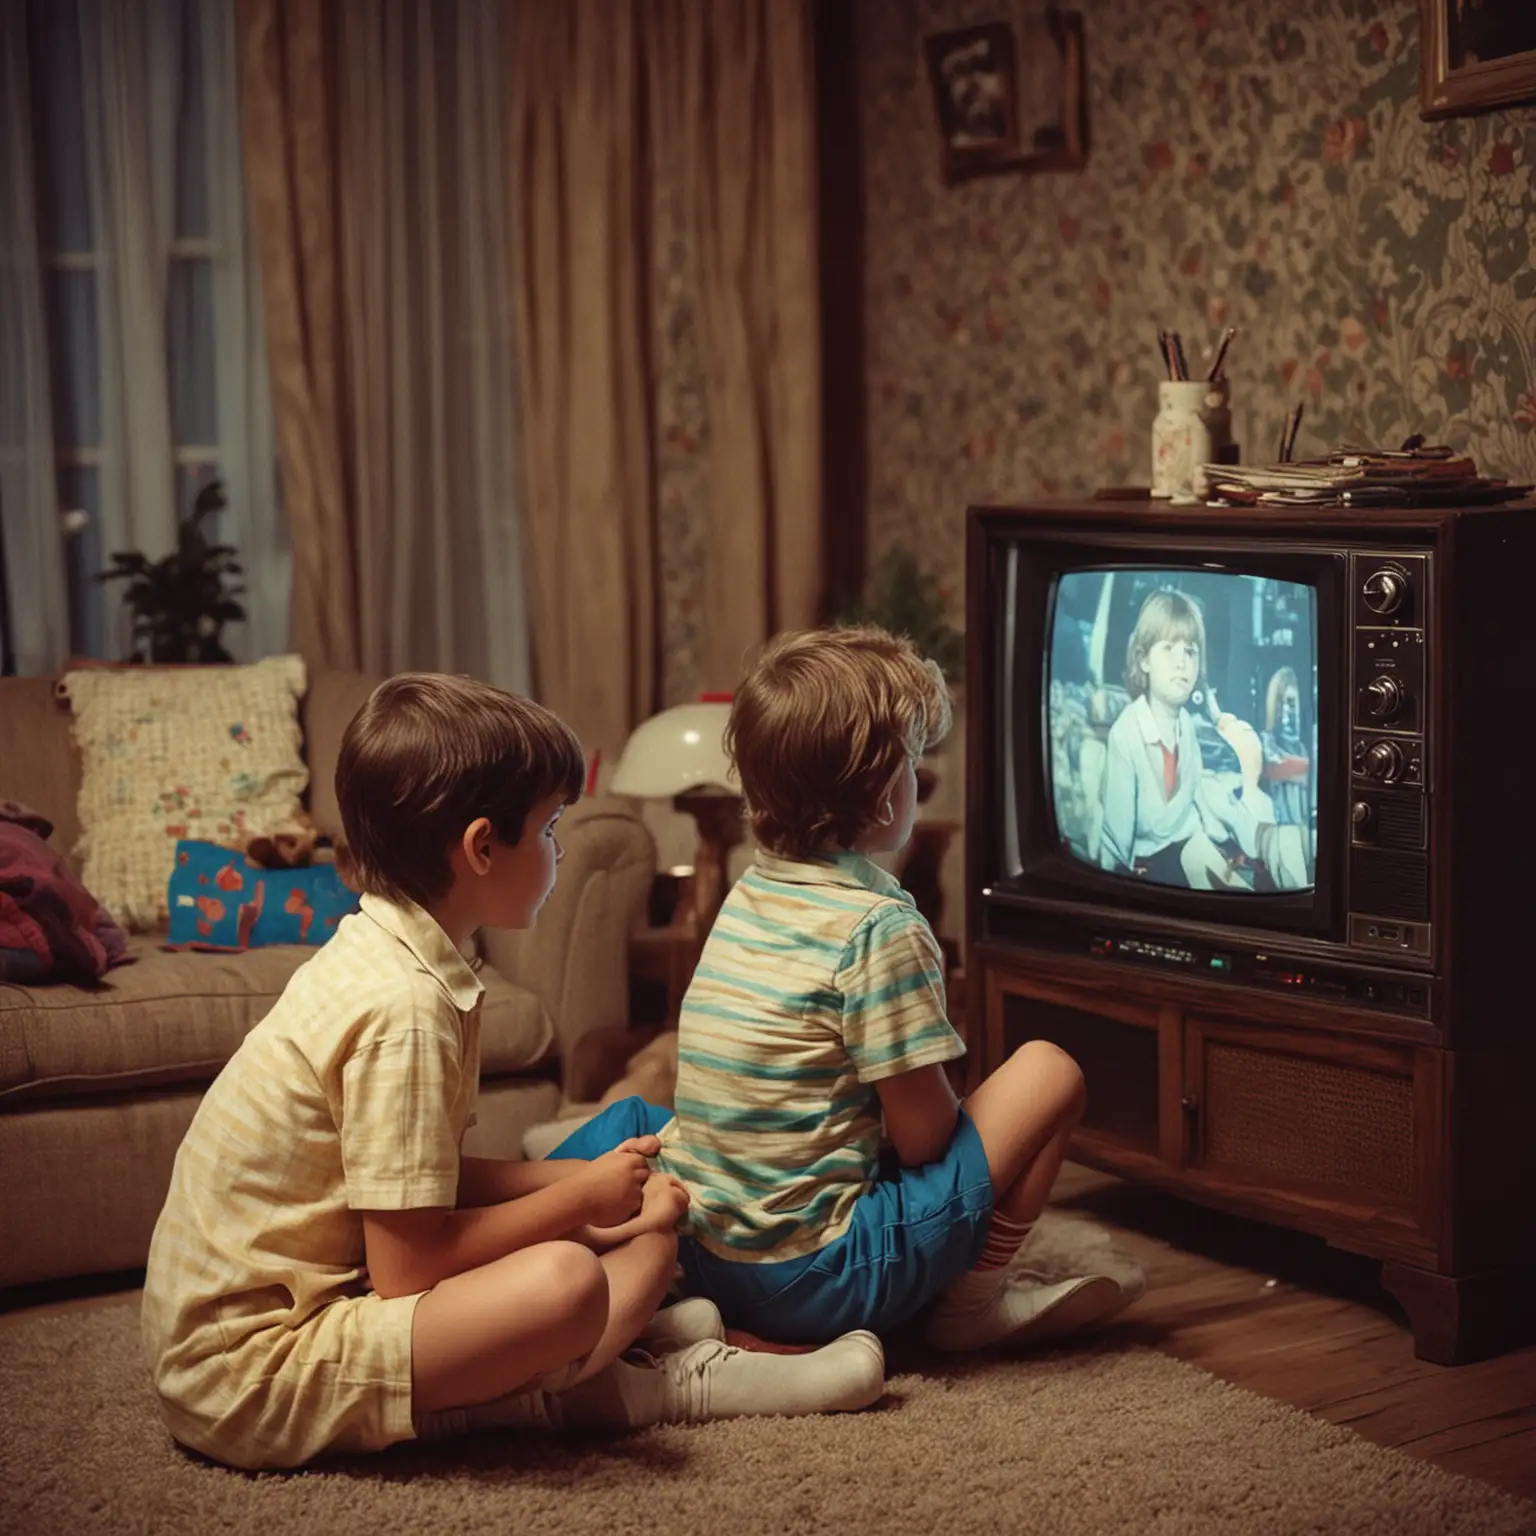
(680, 755)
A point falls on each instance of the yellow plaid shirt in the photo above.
(352, 1094)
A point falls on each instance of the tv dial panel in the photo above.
(1389, 753)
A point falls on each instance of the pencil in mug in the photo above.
(1288, 433)
(1221, 356)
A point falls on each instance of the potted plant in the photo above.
(907, 600)
(182, 602)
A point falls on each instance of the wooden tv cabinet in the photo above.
(1355, 1127)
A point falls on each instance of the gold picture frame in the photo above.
(1010, 104)
(1475, 55)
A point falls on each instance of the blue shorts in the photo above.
(913, 1232)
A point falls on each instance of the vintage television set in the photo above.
(1251, 832)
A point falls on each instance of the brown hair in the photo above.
(820, 726)
(1166, 615)
(425, 756)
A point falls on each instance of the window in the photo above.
(133, 108)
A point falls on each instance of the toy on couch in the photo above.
(291, 844)
(224, 898)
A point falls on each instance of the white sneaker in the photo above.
(711, 1380)
(1122, 1269)
(690, 1321)
(1022, 1312)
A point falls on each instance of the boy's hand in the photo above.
(663, 1205)
(646, 1146)
(613, 1185)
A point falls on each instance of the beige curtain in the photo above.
(293, 187)
(378, 134)
(578, 190)
(734, 93)
(361, 371)
(428, 329)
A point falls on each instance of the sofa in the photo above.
(98, 1084)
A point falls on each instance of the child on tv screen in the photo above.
(1152, 777)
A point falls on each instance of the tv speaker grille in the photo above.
(1295, 1117)
(1400, 821)
(1384, 883)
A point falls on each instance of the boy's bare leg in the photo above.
(530, 1317)
(489, 1347)
(638, 1274)
(1025, 1114)
(487, 1332)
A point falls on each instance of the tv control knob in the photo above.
(1384, 591)
(1360, 812)
(1384, 761)
(1384, 696)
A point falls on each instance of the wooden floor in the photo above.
(1279, 1314)
(1290, 1318)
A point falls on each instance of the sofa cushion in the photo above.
(179, 752)
(174, 1018)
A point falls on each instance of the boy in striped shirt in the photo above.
(834, 1180)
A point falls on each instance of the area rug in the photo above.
(1100, 1438)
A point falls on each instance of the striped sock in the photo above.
(980, 1286)
(1004, 1239)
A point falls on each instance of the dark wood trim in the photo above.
(1173, 1123)
(1192, 992)
(844, 443)
(1457, 1319)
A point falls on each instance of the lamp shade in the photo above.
(678, 750)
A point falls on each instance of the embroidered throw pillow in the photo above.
(210, 752)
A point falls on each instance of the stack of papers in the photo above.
(1363, 477)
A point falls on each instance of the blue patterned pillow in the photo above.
(220, 900)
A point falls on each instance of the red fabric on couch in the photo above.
(51, 927)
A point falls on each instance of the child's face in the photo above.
(522, 874)
(1172, 668)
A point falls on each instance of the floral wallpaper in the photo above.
(1254, 164)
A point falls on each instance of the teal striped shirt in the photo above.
(818, 980)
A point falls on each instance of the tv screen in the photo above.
(1182, 727)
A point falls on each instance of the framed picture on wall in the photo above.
(1475, 54)
(975, 96)
(1010, 100)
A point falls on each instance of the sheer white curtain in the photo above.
(423, 149)
(131, 83)
(153, 321)
(34, 600)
